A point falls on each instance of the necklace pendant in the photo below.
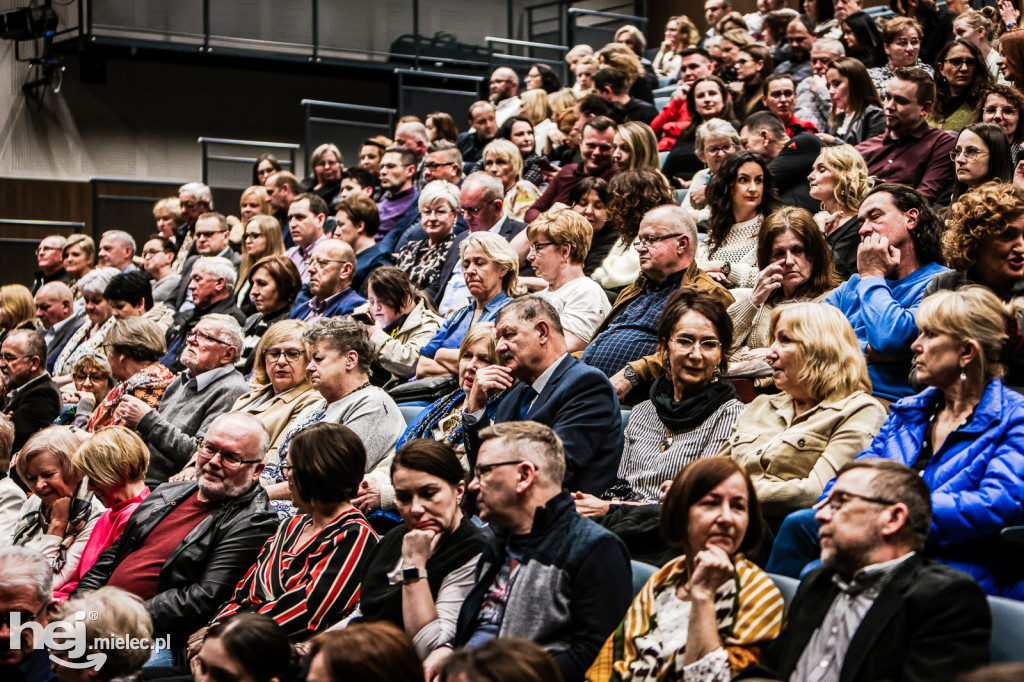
(666, 443)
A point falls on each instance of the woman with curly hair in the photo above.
(1003, 105)
(982, 154)
(680, 33)
(632, 194)
(961, 76)
(741, 195)
(839, 180)
(708, 98)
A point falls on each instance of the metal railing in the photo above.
(501, 52)
(353, 124)
(19, 252)
(422, 92)
(598, 28)
(237, 168)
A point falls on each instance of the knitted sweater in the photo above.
(739, 250)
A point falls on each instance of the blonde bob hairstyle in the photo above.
(17, 306)
(564, 226)
(270, 228)
(114, 615)
(536, 105)
(172, 206)
(852, 180)
(279, 332)
(481, 331)
(318, 154)
(59, 441)
(832, 358)
(260, 192)
(112, 456)
(507, 151)
(970, 314)
(642, 145)
(497, 250)
(623, 59)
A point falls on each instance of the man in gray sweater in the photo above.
(206, 389)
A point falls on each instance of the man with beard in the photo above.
(32, 399)
(26, 588)
(189, 543)
(878, 609)
(502, 94)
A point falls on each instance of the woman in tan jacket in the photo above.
(794, 442)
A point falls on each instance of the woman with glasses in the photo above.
(308, 575)
(261, 238)
(691, 409)
(422, 259)
(856, 107)
(963, 433)
(962, 76)
(1003, 105)
(714, 141)
(93, 381)
(327, 165)
(753, 65)
(982, 154)
(157, 257)
(90, 336)
(401, 322)
(901, 41)
(794, 442)
(273, 285)
(133, 348)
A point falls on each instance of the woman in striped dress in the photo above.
(707, 615)
(308, 575)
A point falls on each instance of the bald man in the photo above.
(504, 91)
(331, 269)
(55, 310)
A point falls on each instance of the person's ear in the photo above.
(346, 272)
(351, 360)
(971, 350)
(543, 331)
(912, 217)
(896, 519)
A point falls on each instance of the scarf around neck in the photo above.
(693, 410)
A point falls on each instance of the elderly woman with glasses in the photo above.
(901, 40)
(423, 259)
(963, 433)
(713, 141)
(92, 380)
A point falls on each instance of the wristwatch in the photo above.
(631, 376)
(727, 269)
(411, 575)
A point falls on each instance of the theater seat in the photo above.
(410, 410)
(641, 574)
(787, 586)
(1007, 630)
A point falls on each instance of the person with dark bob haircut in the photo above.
(982, 154)
(589, 197)
(436, 548)
(403, 322)
(367, 652)
(511, 659)
(960, 77)
(710, 511)
(273, 285)
(308, 575)
(246, 646)
(441, 126)
(129, 294)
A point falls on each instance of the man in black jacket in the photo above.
(33, 400)
(877, 609)
(790, 158)
(189, 543)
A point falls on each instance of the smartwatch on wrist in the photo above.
(411, 575)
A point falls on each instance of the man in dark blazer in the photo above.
(32, 400)
(55, 310)
(907, 616)
(549, 386)
(481, 200)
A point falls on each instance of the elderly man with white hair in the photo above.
(26, 588)
(212, 283)
(813, 103)
(206, 389)
(117, 249)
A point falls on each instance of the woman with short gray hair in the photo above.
(90, 336)
(340, 354)
(423, 259)
(715, 140)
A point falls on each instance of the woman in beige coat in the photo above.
(794, 442)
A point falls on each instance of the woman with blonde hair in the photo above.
(839, 180)
(58, 518)
(680, 33)
(504, 160)
(626, 60)
(167, 213)
(114, 460)
(794, 442)
(255, 201)
(537, 108)
(976, 27)
(79, 254)
(636, 147)
(261, 238)
(17, 309)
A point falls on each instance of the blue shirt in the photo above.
(458, 323)
(633, 334)
(882, 314)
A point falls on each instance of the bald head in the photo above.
(413, 135)
(54, 303)
(504, 84)
(331, 268)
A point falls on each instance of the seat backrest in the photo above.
(1007, 630)
(641, 574)
(787, 586)
(409, 411)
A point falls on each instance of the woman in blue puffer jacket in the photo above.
(965, 434)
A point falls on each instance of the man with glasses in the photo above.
(502, 93)
(910, 151)
(330, 282)
(790, 157)
(27, 590)
(813, 103)
(30, 397)
(667, 243)
(211, 284)
(206, 389)
(189, 543)
(213, 238)
(443, 162)
(50, 259)
(878, 609)
(547, 574)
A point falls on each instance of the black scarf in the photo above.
(379, 600)
(692, 411)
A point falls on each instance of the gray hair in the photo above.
(96, 281)
(242, 421)
(834, 46)
(342, 334)
(714, 128)
(450, 151)
(219, 267)
(493, 189)
(440, 190)
(229, 331)
(200, 191)
(34, 343)
(121, 236)
(535, 442)
(416, 129)
(679, 218)
(24, 567)
(115, 615)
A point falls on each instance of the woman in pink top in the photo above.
(115, 461)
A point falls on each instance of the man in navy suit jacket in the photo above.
(549, 386)
(331, 268)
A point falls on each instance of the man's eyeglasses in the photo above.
(472, 210)
(646, 242)
(150, 252)
(838, 498)
(482, 470)
(227, 458)
(43, 249)
(207, 235)
(724, 149)
(688, 343)
(434, 166)
(323, 262)
(290, 354)
(194, 334)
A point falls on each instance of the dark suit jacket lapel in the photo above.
(812, 605)
(552, 384)
(887, 604)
